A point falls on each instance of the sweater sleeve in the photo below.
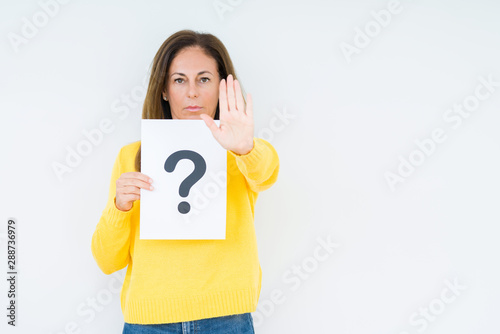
(260, 166)
(111, 238)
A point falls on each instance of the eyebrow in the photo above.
(186, 75)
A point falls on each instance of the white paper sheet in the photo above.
(159, 209)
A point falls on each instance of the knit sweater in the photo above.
(184, 280)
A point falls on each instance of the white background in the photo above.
(346, 125)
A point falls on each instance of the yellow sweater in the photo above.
(183, 280)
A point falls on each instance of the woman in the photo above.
(201, 286)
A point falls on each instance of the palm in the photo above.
(235, 132)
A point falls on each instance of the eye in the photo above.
(175, 80)
(205, 78)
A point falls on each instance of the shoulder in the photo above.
(130, 149)
(126, 157)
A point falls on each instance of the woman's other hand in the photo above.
(128, 188)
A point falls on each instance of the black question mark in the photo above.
(200, 167)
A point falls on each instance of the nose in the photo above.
(193, 90)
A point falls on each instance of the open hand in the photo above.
(235, 132)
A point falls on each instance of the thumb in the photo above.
(210, 124)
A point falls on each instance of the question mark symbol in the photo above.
(199, 170)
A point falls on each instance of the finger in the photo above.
(240, 105)
(134, 178)
(137, 175)
(230, 93)
(211, 124)
(145, 177)
(222, 98)
(129, 190)
(128, 184)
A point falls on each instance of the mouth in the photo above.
(193, 108)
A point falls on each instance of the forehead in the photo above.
(193, 60)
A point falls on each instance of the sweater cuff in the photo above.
(116, 217)
(253, 157)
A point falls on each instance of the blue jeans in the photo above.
(230, 324)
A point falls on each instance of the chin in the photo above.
(187, 116)
(191, 115)
(197, 116)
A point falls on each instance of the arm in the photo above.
(260, 166)
(111, 238)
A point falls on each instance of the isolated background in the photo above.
(351, 122)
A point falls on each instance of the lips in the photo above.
(193, 108)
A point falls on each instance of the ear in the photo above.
(164, 96)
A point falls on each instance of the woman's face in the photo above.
(192, 84)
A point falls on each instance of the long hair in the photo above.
(155, 107)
